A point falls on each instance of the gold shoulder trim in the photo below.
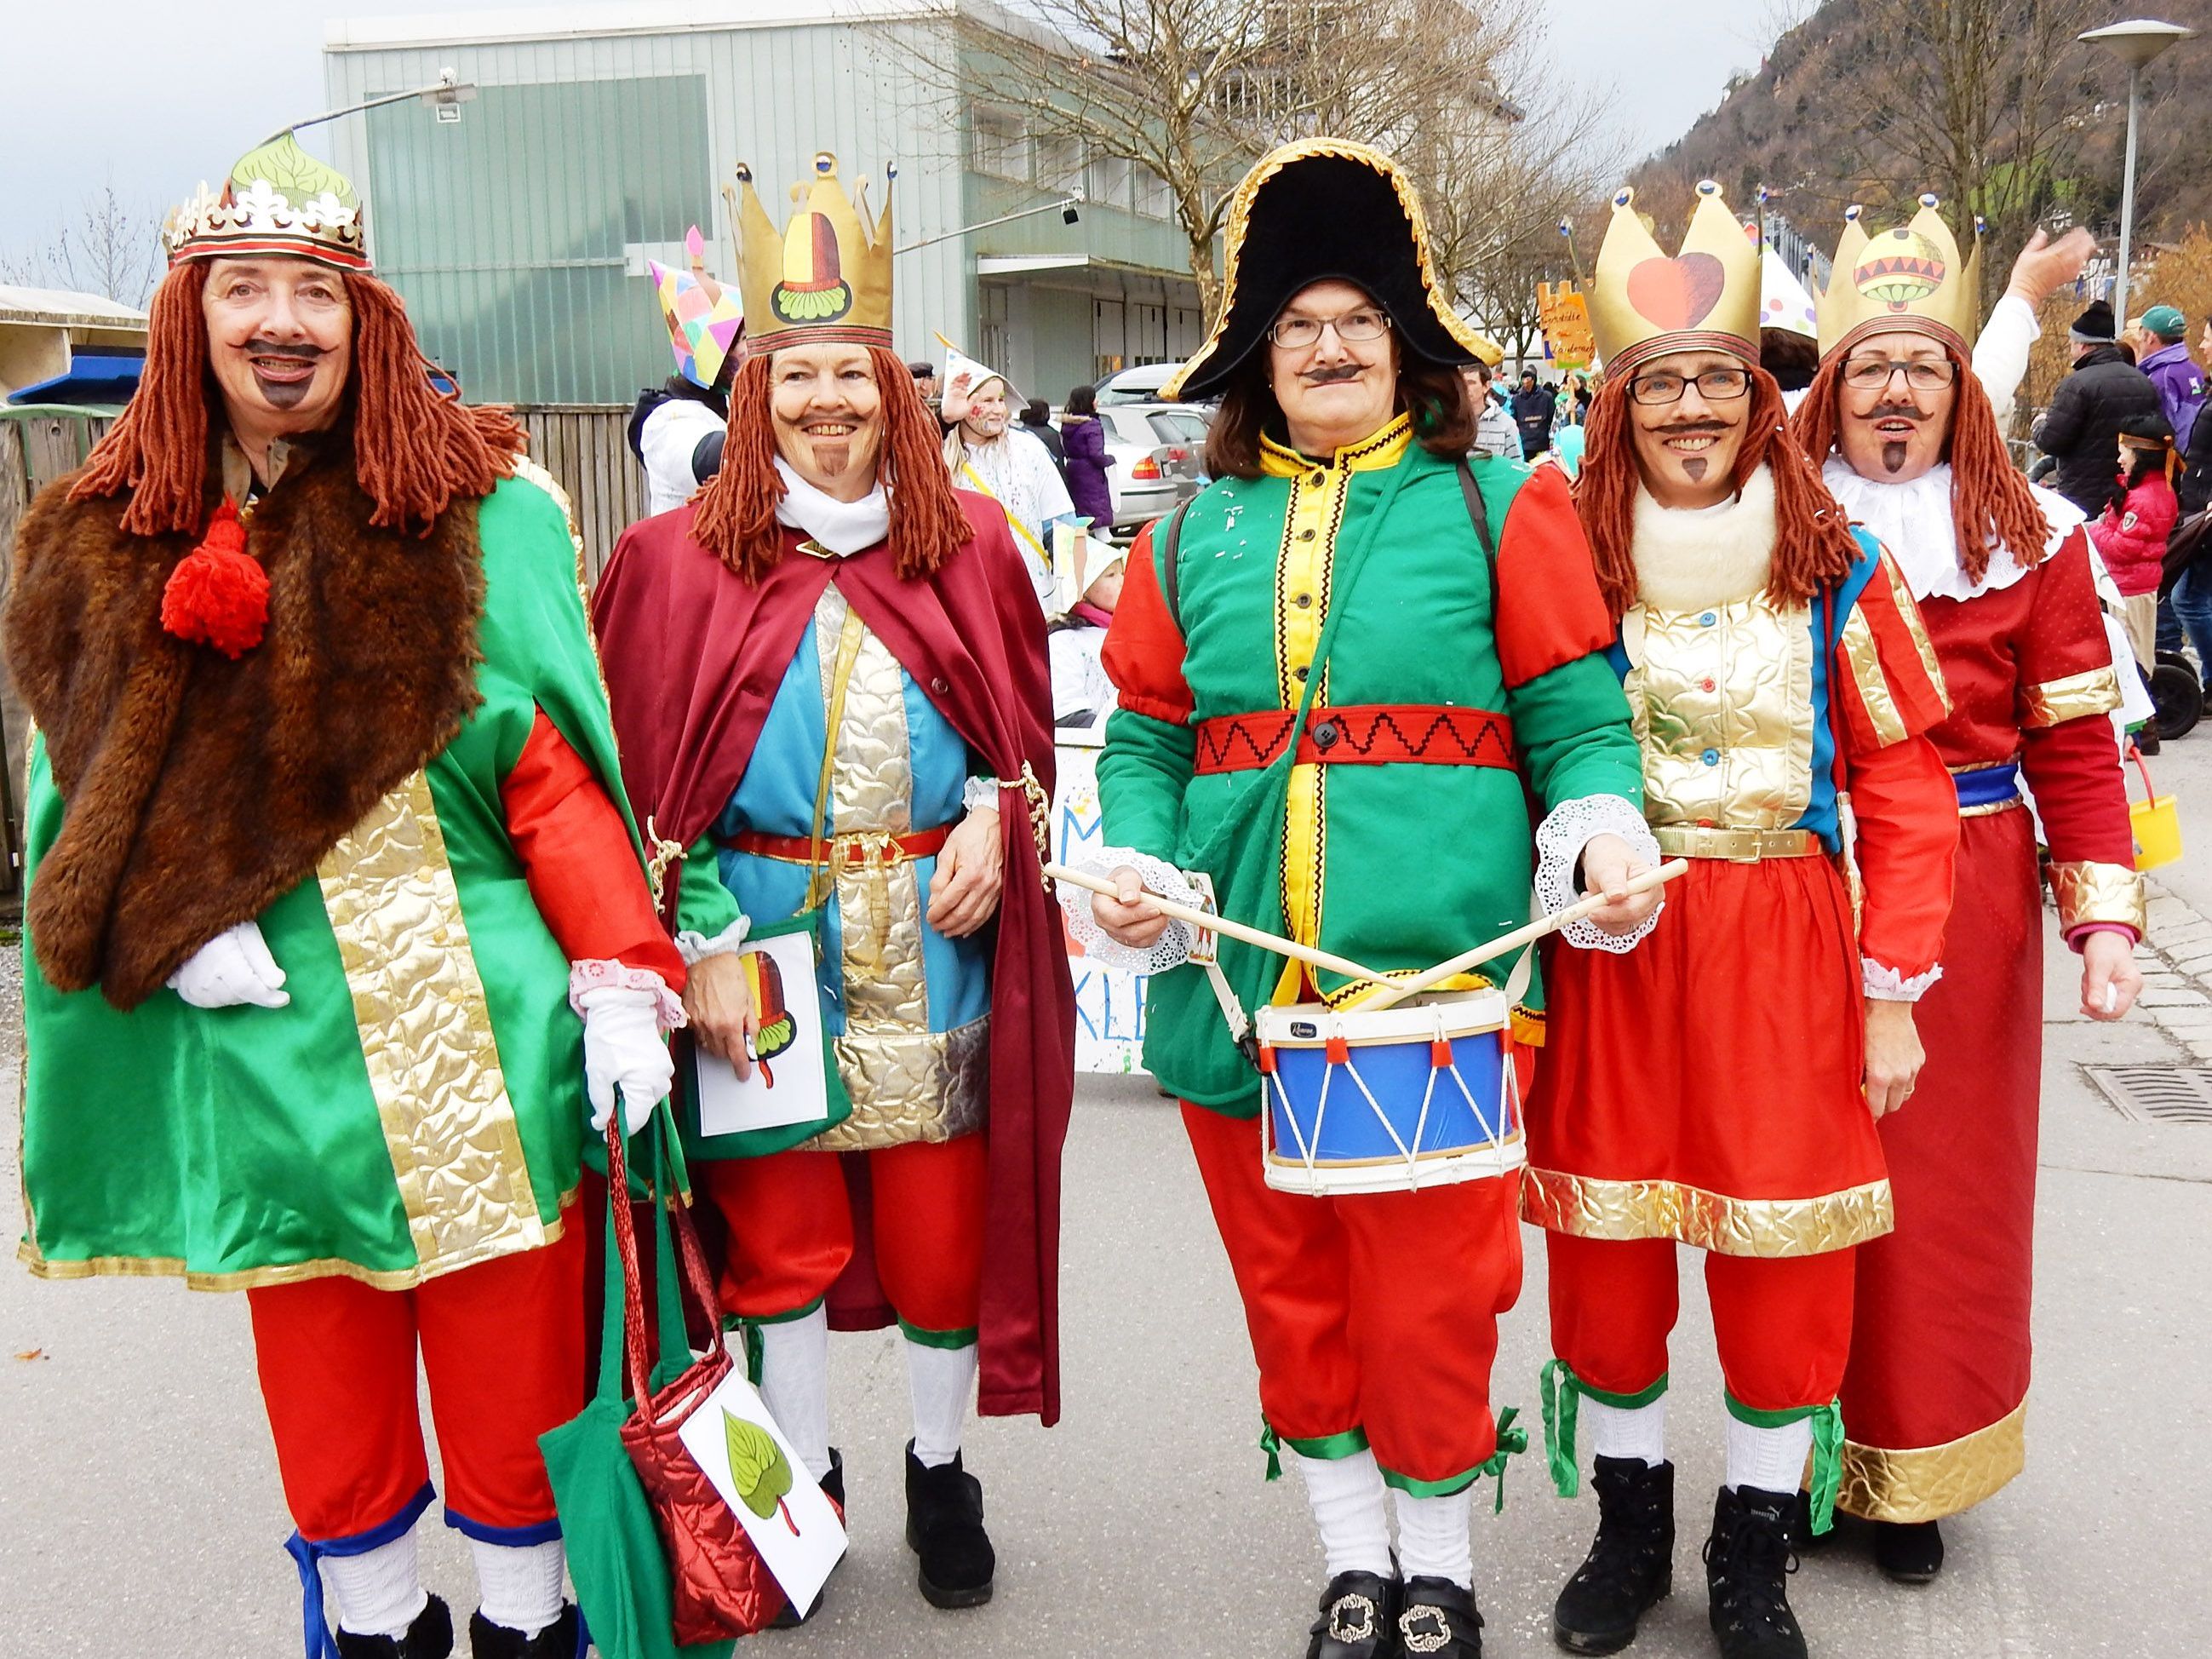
(1928, 1482)
(2095, 692)
(1589, 1207)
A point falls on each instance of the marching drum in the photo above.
(1390, 1099)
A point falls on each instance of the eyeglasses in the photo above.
(1715, 386)
(1921, 373)
(1353, 327)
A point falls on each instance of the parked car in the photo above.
(1159, 459)
(1140, 384)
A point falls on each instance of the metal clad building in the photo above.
(518, 233)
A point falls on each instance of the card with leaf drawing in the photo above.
(734, 1439)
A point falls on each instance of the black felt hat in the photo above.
(1328, 209)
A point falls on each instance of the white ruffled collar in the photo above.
(843, 527)
(1913, 520)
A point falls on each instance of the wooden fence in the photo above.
(582, 446)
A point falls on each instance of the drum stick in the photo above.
(1236, 930)
(1398, 990)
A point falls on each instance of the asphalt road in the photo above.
(141, 1513)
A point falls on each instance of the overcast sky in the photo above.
(162, 93)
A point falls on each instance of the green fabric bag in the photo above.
(614, 1549)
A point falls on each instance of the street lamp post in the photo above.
(447, 92)
(2135, 42)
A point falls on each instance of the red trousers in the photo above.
(502, 1346)
(1783, 1323)
(1373, 1314)
(791, 1230)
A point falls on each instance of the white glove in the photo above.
(622, 1045)
(234, 966)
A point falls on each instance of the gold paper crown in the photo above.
(278, 199)
(826, 275)
(1643, 305)
(1909, 277)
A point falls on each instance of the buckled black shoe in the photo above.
(1910, 1552)
(558, 1640)
(945, 1527)
(1631, 1564)
(430, 1636)
(1439, 1621)
(833, 1488)
(1359, 1618)
(1748, 1562)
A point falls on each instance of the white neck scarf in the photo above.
(843, 527)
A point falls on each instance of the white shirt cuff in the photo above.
(694, 947)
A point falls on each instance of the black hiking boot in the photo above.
(1748, 1562)
(430, 1636)
(1629, 1566)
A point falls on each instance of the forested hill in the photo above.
(1845, 109)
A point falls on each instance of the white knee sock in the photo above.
(380, 1592)
(1349, 1511)
(1772, 1459)
(1627, 1431)
(794, 1385)
(942, 1382)
(518, 1586)
(1434, 1537)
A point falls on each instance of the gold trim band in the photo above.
(2087, 892)
(1589, 1207)
(2097, 691)
(1927, 1483)
(1706, 840)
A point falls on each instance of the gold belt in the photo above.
(1704, 840)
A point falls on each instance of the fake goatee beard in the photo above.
(1694, 467)
(282, 394)
(1896, 451)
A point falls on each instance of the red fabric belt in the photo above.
(864, 847)
(1363, 734)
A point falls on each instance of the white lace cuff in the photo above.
(979, 792)
(1885, 984)
(596, 981)
(696, 947)
(1170, 949)
(1566, 830)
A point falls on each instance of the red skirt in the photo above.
(1934, 1400)
(1707, 1085)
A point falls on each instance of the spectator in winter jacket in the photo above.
(1495, 432)
(1083, 436)
(1533, 406)
(2179, 381)
(2083, 421)
(2131, 535)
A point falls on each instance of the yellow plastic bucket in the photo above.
(2156, 822)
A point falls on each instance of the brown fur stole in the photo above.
(197, 790)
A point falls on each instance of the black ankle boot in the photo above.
(1629, 1566)
(1439, 1620)
(833, 1488)
(556, 1641)
(430, 1636)
(1910, 1552)
(1359, 1618)
(945, 1527)
(1748, 1562)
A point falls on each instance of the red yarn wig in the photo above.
(1992, 504)
(415, 448)
(1812, 545)
(736, 517)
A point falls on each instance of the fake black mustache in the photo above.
(1330, 376)
(1907, 412)
(295, 351)
(1692, 429)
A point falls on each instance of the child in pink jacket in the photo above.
(2131, 535)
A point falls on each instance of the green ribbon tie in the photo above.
(1271, 1444)
(1562, 1402)
(1510, 1440)
(1827, 1464)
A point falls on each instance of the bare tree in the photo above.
(1193, 91)
(110, 248)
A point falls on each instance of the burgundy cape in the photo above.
(693, 656)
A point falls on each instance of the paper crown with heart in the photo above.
(1645, 304)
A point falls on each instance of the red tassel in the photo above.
(218, 594)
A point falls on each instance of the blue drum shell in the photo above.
(1396, 1074)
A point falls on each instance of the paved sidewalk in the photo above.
(142, 1515)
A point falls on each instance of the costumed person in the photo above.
(2130, 538)
(1354, 588)
(1011, 466)
(1935, 1400)
(1789, 336)
(325, 843)
(827, 674)
(676, 431)
(1082, 691)
(1780, 683)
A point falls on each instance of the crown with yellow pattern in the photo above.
(277, 200)
(1908, 277)
(824, 277)
(1645, 304)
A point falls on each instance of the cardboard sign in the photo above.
(1109, 1002)
(787, 1085)
(1564, 315)
(737, 1444)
